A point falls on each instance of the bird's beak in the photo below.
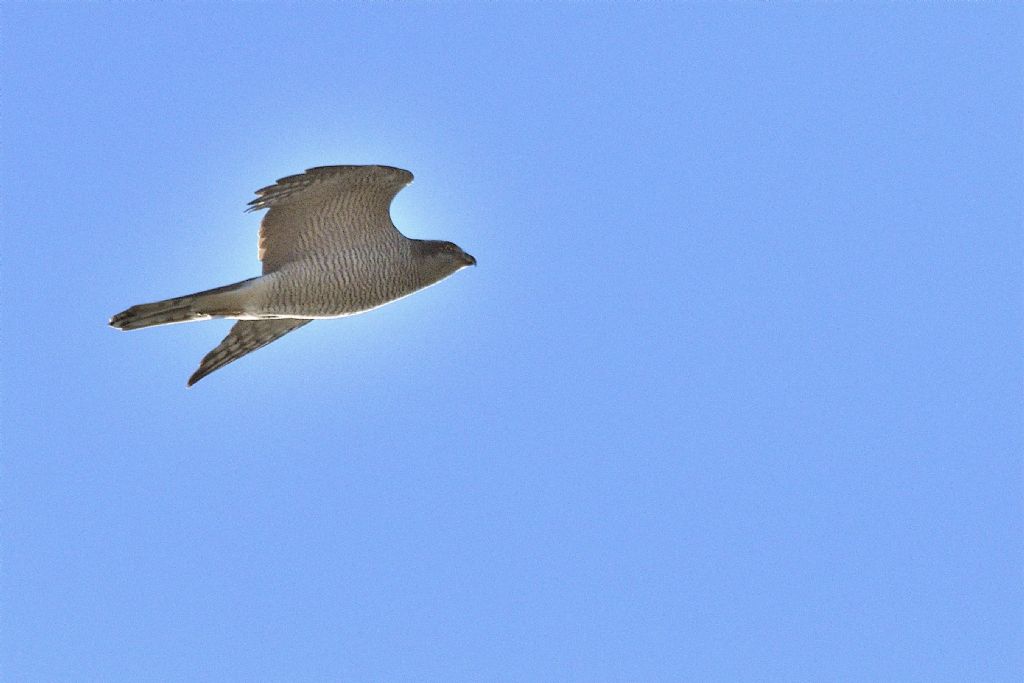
(470, 261)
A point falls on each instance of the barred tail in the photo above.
(182, 309)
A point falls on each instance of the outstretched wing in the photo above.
(245, 336)
(327, 209)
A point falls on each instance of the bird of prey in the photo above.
(329, 249)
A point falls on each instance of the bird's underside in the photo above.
(328, 248)
(245, 337)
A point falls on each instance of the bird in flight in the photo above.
(329, 249)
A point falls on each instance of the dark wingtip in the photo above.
(118, 320)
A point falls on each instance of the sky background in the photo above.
(735, 392)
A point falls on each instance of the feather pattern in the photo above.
(245, 337)
(326, 209)
(329, 249)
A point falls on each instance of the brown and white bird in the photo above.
(329, 249)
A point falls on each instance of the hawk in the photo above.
(329, 249)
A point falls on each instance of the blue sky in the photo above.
(734, 393)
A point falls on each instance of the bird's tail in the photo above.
(212, 303)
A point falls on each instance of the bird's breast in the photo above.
(333, 287)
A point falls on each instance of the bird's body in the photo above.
(341, 283)
(329, 250)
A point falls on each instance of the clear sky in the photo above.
(735, 392)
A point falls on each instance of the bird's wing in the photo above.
(245, 336)
(326, 209)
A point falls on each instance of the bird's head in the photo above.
(440, 259)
